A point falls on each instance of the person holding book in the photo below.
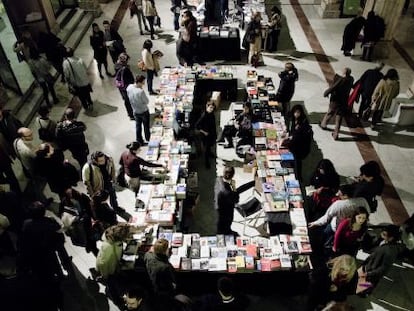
(131, 166)
(350, 232)
(242, 128)
(226, 198)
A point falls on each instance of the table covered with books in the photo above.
(259, 264)
(218, 43)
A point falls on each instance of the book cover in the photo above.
(249, 261)
(275, 264)
(268, 187)
(231, 265)
(265, 264)
(242, 241)
(240, 262)
(185, 264)
(229, 239)
(217, 264)
(232, 251)
(204, 251)
(187, 240)
(204, 262)
(251, 250)
(195, 264)
(195, 250)
(182, 251)
(285, 261)
(302, 262)
(175, 261)
(221, 240)
(177, 239)
(212, 241)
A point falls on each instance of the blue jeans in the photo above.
(150, 78)
(142, 119)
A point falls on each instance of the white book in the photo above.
(175, 261)
(195, 264)
(205, 251)
(217, 264)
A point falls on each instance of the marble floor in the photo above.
(313, 45)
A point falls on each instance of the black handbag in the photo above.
(366, 114)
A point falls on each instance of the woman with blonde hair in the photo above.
(332, 282)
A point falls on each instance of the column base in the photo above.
(382, 50)
(329, 9)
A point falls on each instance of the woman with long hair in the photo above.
(186, 48)
(332, 282)
(148, 60)
(350, 232)
(100, 52)
(206, 125)
(300, 137)
(254, 36)
(386, 90)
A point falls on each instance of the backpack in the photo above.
(119, 79)
(70, 134)
(47, 133)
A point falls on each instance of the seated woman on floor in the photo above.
(242, 127)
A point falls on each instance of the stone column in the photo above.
(330, 8)
(410, 91)
(50, 16)
(390, 11)
(91, 6)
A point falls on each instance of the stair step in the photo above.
(81, 28)
(63, 16)
(31, 105)
(71, 26)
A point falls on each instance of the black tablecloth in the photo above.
(216, 48)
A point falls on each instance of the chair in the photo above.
(251, 211)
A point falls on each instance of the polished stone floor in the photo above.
(305, 37)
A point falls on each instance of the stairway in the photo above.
(74, 23)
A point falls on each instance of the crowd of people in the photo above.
(338, 214)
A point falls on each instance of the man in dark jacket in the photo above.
(226, 198)
(383, 256)
(339, 93)
(369, 81)
(70, 135)
(286, 89)
(113, 41)
(159, 269)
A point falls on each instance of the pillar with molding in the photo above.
(390, 11)
(330, 8)
(91, 6)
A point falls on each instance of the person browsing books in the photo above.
(226, 198)
(131, 164)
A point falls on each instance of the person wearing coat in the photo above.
(300, 138)
(100, 51)
(226, 198)
(386, 90)
(254, 35)
(123, 78)
(113, 41)
(371, 36)
(339, 93)
(369, 81)
(381, 259)
(275, 26)
(150, 13)
(351, 33)
(206, 124)
(288, 78)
